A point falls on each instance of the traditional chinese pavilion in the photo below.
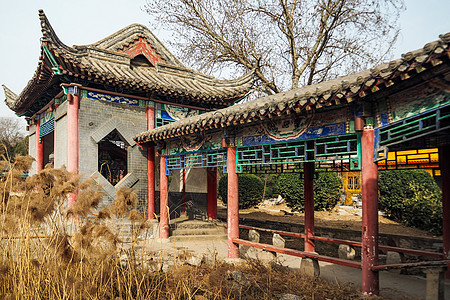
(85, 103)
(351, 123)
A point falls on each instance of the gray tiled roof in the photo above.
(105, 62)
(334, 92)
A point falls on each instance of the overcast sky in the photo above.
(83, 22)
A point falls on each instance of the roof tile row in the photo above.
(334, 92)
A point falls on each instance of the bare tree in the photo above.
(287, 42)
(11, 136)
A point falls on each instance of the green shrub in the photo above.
(250, 190)
(327, 190)
(270, 182)
(290, 187)
(411, 197)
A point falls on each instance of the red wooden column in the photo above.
(164, 200)
(72, 138)
(150, 112)
(183, 191)
(369, 174)
(232, 203)
(212, 192)
(55, 106)
(308, 182)
(445, 175)
(39, 148)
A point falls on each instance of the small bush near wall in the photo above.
(250, 190)
(327, 190)
(411, 197)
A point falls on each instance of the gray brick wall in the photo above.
(32, 147)
(61, 110)
(61, 138)
(98, 118)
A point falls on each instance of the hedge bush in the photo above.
(411, 197)
(327, 190)
(270, 181)
(250, 190)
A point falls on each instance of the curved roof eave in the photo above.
(346, 88)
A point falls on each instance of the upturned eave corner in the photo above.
(49, 35)
(10, 97)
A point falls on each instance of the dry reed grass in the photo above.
(79, 258)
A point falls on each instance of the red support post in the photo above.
(164, 200)
(308, 183)
(445, 175)
(212, 192)
(39, 148)
(369, 251)
(72, 139)
(183, 191)
(150, 112)
(232, 204)
(151, 181)
(54, 136)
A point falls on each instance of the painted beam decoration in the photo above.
(402, 117)
(316, 137)
(113, 98)
(47, 126)
(301, 127)
(328, 135)
(197, 142)
(418, 99)
(166, 113)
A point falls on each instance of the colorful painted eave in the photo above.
(433, 56)
(109, 61)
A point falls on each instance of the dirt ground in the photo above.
(344, 217)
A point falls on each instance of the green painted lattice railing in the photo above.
(413, 127)
(333, 153)
(47, 127)
(212, 158)
(336, 153)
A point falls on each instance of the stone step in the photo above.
(198, 231)
(186, 238)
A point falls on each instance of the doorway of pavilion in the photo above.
(192, 193)
(49, 141)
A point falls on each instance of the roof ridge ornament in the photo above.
(11, 97)
(49, 35)
(142, 47)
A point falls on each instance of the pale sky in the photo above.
(83, 22)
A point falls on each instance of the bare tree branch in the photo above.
(287, 42)
(10, 135)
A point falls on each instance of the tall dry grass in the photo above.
(50, 252)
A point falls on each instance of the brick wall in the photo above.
(97, 119)
(32, 147)
(61, 136)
